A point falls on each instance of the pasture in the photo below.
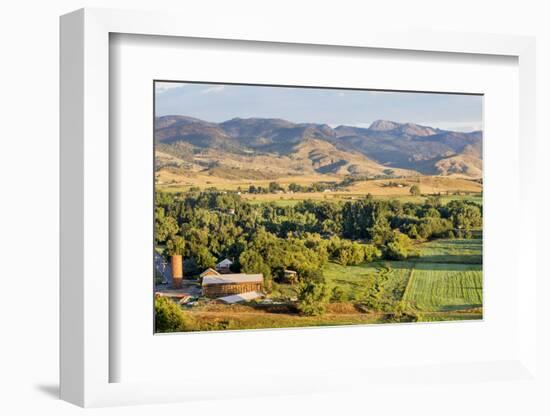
(444, 281)
(437, 287)
(445, 277)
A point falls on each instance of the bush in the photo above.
(338, 295)
(371, 253)
(313, 295)
(169, 317)
(399, 247)
(403, 313)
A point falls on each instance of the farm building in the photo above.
(231, 284)
(289, 274)
(242, 297)
(224, 266)
(209, 272)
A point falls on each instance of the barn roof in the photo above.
(209, 271)
(241, 297)
(232, 278)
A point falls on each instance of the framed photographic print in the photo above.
(317, 212)
(280, 206)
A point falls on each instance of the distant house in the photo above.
(290, 273)
(231, 284)
(209, 272)
(224, 266)
(290, 276)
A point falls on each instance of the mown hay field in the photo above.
(440, 287)
(465, 251)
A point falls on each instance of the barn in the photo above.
(209, 272)
(214, 286)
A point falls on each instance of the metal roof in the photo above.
(232, 278)
(209, 270)
(224, 262)
(241, 297)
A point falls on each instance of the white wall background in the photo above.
(29, 205)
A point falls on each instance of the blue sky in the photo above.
(216, 102)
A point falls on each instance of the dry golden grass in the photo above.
(168, 179)
(427, 185)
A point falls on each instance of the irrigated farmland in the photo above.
(439, 287)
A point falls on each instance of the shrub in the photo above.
(338, 295)
(169, 317)
(313, 295)
(399, 247)
(371, 252)
(415, 190)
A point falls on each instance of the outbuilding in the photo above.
(231, 284)
(224, 266)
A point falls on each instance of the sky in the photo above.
(221, 102)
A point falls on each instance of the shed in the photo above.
(231, 284)
(224, 266)
(290, 276)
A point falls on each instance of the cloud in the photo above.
(213, 90)
(161, 87)
(461, 126)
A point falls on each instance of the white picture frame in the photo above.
(85, 352)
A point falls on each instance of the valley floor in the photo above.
(443, 283)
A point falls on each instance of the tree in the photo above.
(293, 187)
(165, 226)
(415, 190)
(350, 253)
(252, 262)
(274, 187)
(399, 247)
(313, 294)
(371, 252)
(175, 246)
(381, 231)
(169, 317)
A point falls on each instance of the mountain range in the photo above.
(275, 147)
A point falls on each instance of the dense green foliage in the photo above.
(266, 238)
(314, 292)
(169, 317)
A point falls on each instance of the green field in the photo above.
(466, 251)
(443, 283)
(352, 279)
(442, 287)
(445, 277)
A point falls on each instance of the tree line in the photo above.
(207, 226)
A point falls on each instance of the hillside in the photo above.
(275, 148)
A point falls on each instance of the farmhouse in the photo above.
(231, 284)
(224, 266)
